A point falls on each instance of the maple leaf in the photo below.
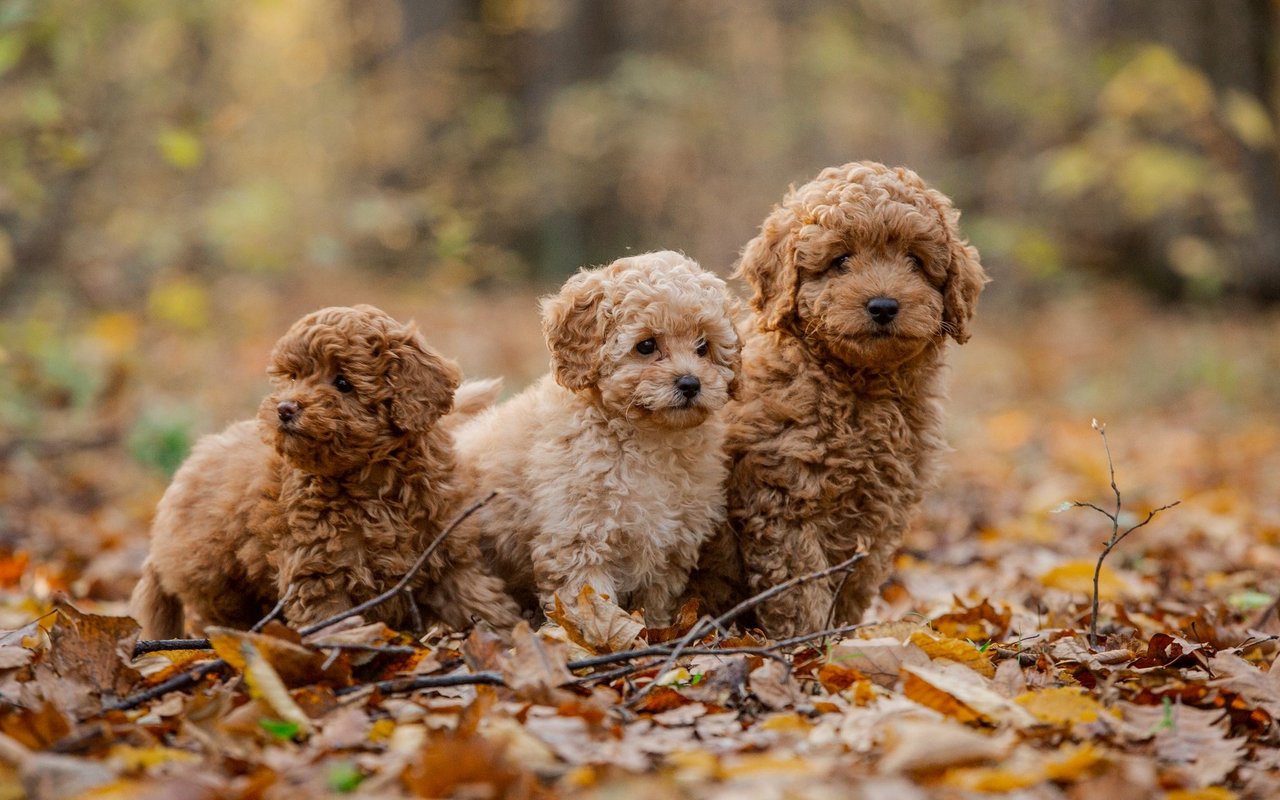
(596, 624)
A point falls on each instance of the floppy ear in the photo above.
(768, 265)
(965, 276)
(422, 382)
(575, 329)
(965, 279)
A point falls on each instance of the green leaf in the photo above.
(1250, 600)
(279, 729)
(345, 776)
(12, 47)
(1065, 505)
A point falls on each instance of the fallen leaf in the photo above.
(1077, 577)
(881, 660)
(1062, 705)
(596, 624)
(959, 692)
(955, 650)
(266, 685)
(917, 745)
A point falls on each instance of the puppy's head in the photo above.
(651, 336)
(866, 261)
(352, 385)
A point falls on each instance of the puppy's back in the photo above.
(213, 529)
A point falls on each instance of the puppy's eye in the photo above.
(840, 263)
(647, 346)
(343, 385)
(702, 349)
(915, 261)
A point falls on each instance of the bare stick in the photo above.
(1117, 536)
(408, 576)
(701, 626)
(400, 685)
(289, 592)
(144, 646)
(785, 586)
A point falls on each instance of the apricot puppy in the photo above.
(336, 488)
(859, 278)
(610, 469)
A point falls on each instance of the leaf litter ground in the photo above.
(976, 677)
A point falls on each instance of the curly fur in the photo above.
(607, 474)
(334, 491)
(835, 436)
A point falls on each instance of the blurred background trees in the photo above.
(151, 146)
(195, 165)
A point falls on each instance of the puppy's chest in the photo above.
(654, 494)
(338, 520)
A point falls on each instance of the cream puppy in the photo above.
(611, 469)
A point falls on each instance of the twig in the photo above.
(408, 576)
(399, 685)
(179, 681)
(700, 628)
(1117, 536)
(289, 592)
(144, 646)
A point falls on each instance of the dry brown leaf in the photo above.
(596, 623)
(913, 745)
(881, 660)
(87, 661)
(771, 682)
(536, 669)
(295, 664)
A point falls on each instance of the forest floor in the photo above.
(976, 678)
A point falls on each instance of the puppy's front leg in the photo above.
(803, 608)
(321, 587)
(566, 572)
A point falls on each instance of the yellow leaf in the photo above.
(1073, 762)
(117, 332)
(180, 148)
(1077, 576)
(1062, 705)
(134, 759)
(1249, 119)
(764, 763)
(381, 730)
(266, 685)
(789, 722)
(955, 650)
(1208, 793)
(990, 779)
(182, 302)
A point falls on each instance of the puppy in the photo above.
(610, 469)
(859, 277)
(336, 488)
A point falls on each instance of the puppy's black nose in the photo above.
(882, 309)
(287, 410)
(689, 386)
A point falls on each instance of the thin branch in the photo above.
(400, 685)
(278, 609)
(408, 576)
(144, 646)
(700, 628)
(1116, 535)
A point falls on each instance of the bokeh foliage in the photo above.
(187, 164)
